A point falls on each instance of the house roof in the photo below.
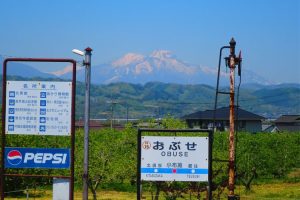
(288, 119)
(270, 128)
(223, 114)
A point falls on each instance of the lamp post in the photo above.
(87, 62)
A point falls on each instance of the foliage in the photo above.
(112, 157)
(157, 100)
(169, 122)
(260, 157)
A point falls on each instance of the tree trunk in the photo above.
(94, 195)
(93, 188)
(158, 184)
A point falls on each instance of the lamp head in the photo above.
(78, 52)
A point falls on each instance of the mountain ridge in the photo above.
(161, 66)
(156, 99)
(22, 69)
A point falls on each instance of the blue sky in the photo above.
(267, 31)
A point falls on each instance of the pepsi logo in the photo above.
(14, 157)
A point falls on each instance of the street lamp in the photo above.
(87, 63)
(78, 52)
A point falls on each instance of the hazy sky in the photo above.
(267, 31)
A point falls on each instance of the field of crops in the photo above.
(267, 166)
(276, 191)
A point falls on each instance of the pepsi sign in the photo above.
(16, 157)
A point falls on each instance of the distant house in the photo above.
(288, 123)
(270, 128)
(246, 121)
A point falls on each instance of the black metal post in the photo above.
(214, 119)
(138, 181)
(3, 127)
(73, 132)
(218, 82)
(210, 170)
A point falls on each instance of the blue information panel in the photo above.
(17, 157)
(38, 107)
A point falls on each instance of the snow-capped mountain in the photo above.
(158, 60)
(161, 66)
(158, 66)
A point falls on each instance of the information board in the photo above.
(174, 158)
(38, 107)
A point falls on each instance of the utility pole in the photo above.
(231, 120)
(112, 114)
(87, 63)
(112, 107)
(232, 62)
(127, 109)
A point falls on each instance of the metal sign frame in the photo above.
(72, 135)
(139, 140)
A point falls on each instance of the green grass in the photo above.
(276, 191)
(280, 191)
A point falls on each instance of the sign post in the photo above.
(38, 108)
(172, 158)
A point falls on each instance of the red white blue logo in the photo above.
(14, 157)
(18, 157)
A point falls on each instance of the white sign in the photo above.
(61, 189)
(38, 107)
(174, 158)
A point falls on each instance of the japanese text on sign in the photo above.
(174, 158)
(34, 107)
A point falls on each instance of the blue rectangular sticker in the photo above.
(17, 157)
(174, 171)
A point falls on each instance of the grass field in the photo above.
(282, 191)
(278, 191)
